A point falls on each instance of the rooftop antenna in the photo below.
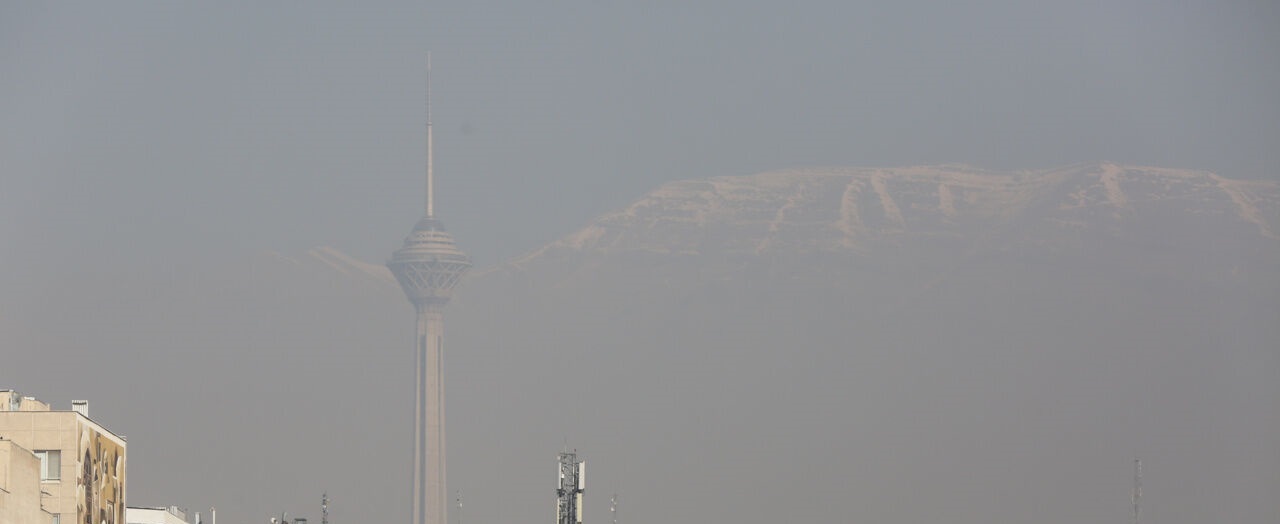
(570, 488)
(1137, 488)
(613, 507)
(431, 212)
(324, 508)
(459, 495)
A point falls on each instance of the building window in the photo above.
(50, 464)
(57, 519)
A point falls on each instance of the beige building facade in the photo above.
(81, 465)
(20, 486)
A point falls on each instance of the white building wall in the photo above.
(155, 516)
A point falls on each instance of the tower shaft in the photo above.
(429, 444)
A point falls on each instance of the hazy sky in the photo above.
(144, 144)
(141, 130)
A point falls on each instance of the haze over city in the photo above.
(756, 262)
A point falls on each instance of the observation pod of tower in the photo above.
(429, 265)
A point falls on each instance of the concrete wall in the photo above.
(20, 486)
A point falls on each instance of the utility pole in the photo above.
(1137, 488)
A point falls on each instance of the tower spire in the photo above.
(431, 212)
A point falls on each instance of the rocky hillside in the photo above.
(852, 210)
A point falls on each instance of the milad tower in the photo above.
(428, 267)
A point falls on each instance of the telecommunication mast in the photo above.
(572, 486)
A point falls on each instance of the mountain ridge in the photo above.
(851, 209)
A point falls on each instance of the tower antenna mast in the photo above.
(431, 212)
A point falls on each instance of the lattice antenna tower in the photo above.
(572, 473)
(324, 508)
(613, 508)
